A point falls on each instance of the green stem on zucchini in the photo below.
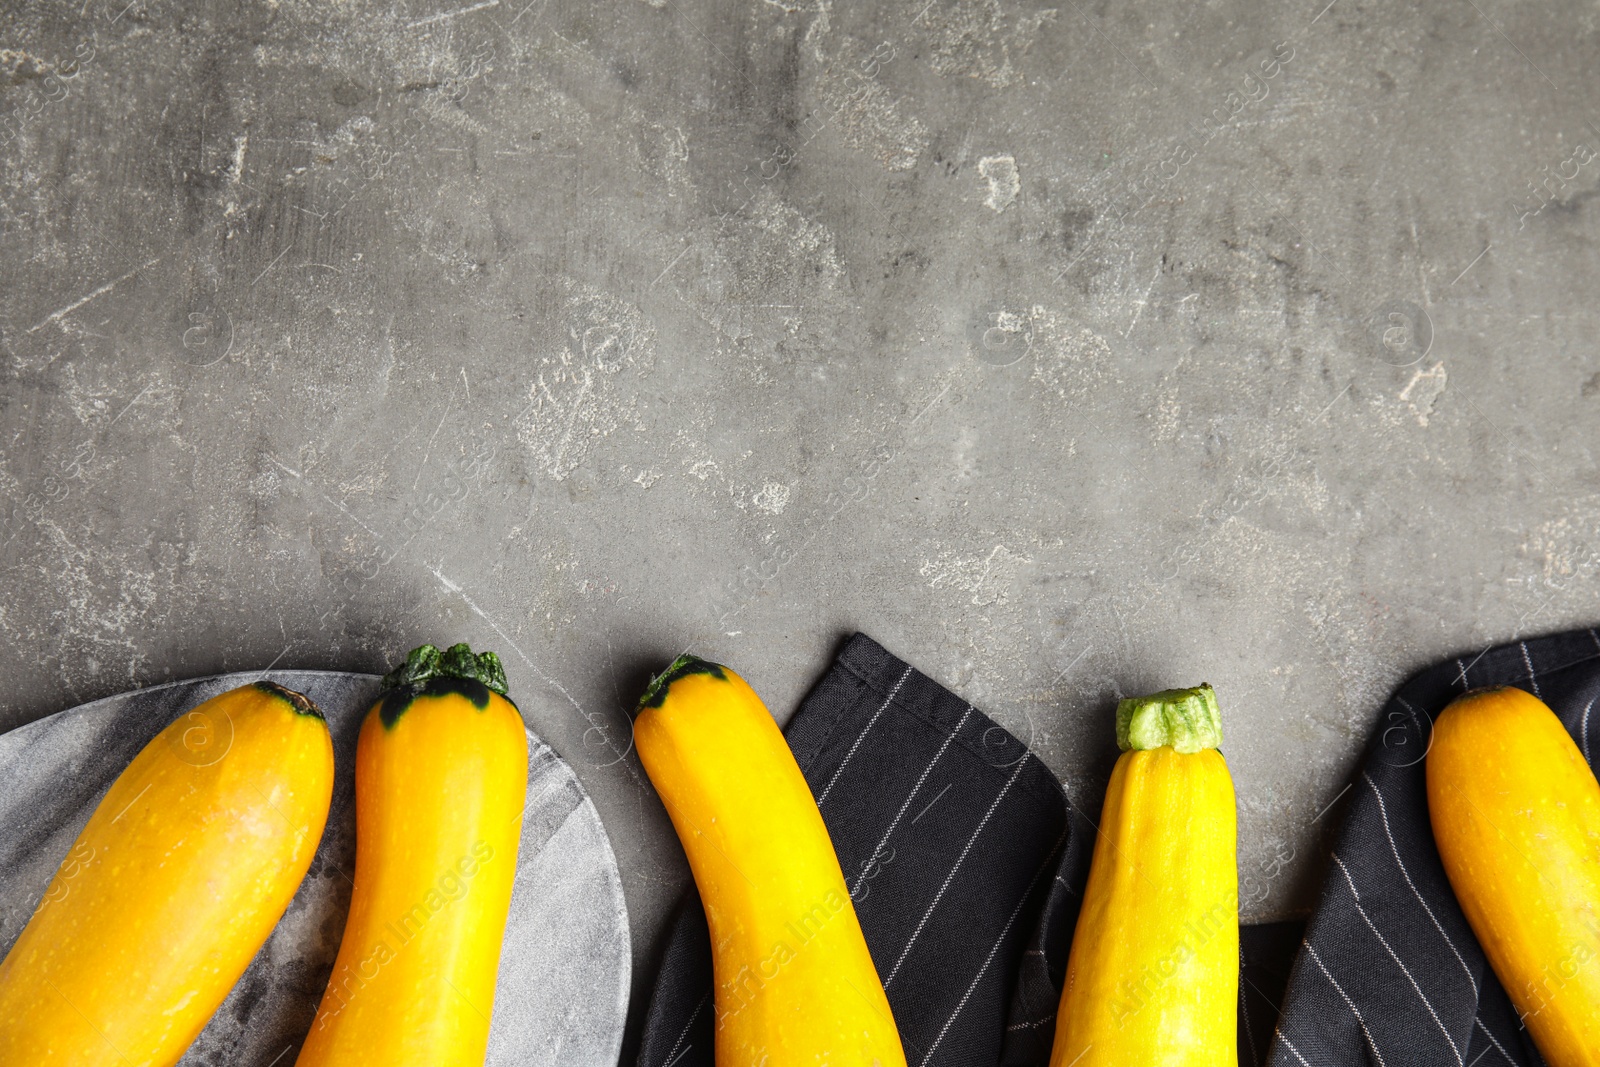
(425, 663)
(1186, 719)
(656, 691)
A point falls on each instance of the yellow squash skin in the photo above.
(795, 984)
(178, 878)
(1516, 816)
(1153, 976)
(441, 780)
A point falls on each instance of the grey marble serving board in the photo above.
(563, 990)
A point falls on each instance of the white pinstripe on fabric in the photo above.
(1356, 899)
(1417, 720)
(1383, 813)
(1339, 989)
(1026, 893)
(884, 840)
(1023, 762)
(1290, 1046)
(1527, 661)
(1416, 716)
(672, 1053)
(862, 735)
(1495, 1041)
(1584, 731)
(1244, 1010)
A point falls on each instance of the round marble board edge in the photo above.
(562, 994)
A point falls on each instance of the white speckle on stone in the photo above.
(771, 498)
(241, 144)
(802, 239)
(869, 117)
(987, 577)
(979, 40)
(1565, 547)
(1004, 182)
(1068, 360)
(574, 399)
(1422, 392)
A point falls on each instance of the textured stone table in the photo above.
(1069, 350)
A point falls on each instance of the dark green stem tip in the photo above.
(656, 692)
(302, 704)
(425, 663)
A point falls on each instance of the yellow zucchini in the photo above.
(441, 779)
(1153, 975)
(1516, 816)
(177, 880)
(795, 984)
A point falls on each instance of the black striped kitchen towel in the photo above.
(1389, 972)
(965, 863)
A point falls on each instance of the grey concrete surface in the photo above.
(1071, 350)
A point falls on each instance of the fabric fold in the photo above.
(951, 835)
(1389, 971)
(966, 864)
